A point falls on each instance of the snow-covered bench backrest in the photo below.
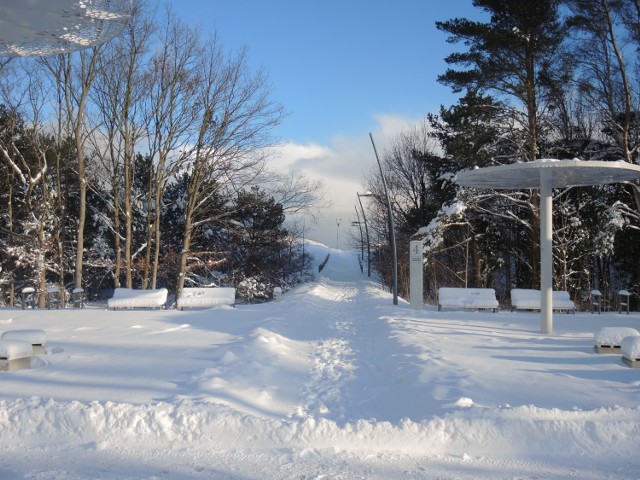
(34, 336)
(613, 336)
(527, 298)
(467, 297)
(206, 297)
(132, 298)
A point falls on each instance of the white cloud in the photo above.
(342, 166)
(391, 125)
(290, 156)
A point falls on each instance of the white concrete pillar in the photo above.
(546, 251)
(416, 273)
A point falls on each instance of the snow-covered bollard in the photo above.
(78, 297)
(609, 339)
(623, 301)
(631, 351)
(36, 338)
(277, 294)
(54, 297)
(596, 301)
(28, 297)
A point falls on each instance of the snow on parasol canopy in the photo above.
(50, 27)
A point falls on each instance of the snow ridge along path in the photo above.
(334, 382)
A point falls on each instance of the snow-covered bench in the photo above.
(206, 297)
(14, 350)
(530, 299)
(473, 298)
(609, 339)
(34, 337)
(630, 349)
(131, 298)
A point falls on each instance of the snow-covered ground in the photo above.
(334, 382)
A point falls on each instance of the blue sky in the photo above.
(342, 69)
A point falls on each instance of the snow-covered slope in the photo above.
(334, 382)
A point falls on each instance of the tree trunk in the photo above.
(116, 227)
(184, 255)
(158, 212)
(128, 216)
(12, 293)
(151, 226)
(42, 268)
(10, 221)
(61, 221)
(477, 265)
(83, 208)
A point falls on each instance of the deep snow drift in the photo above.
(334, 382)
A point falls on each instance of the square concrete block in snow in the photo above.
(631, 351)
(14, 350)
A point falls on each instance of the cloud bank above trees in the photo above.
(342, 165)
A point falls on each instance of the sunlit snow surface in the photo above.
(334, 382)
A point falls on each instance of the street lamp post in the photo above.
(366, 230)
(338, 222)
(391, 225)
(358, 224)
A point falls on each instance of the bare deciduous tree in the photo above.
(235, 115)
(122, 91)
(171, 85)
(74, 75)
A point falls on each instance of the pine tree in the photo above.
(514, 55)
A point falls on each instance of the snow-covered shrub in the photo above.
(252, 289)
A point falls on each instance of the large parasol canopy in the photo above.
(546, 175)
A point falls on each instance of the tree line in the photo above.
(546, 79)
(143, 163)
